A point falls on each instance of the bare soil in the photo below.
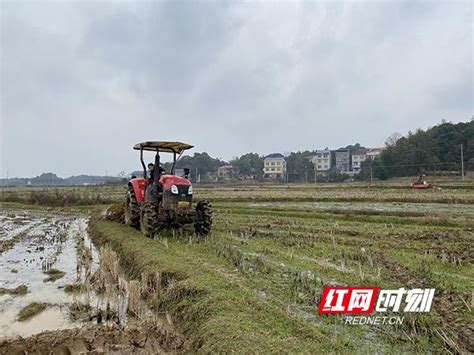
(146, 339)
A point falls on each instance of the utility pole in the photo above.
(462, 163)
(371, 175)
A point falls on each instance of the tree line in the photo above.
(432, 151)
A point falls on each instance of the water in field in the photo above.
(40, 242)
(32, 245)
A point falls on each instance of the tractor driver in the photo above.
(421, 179)
(151, 169)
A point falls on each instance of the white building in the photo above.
(274, 166)
(322, 160)
(358, 156)
(225, 172)
(373, 153)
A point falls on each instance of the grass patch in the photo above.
(53, 275)
(31, 310)
(80, 311)
(9, 243)
(74, 288)
(20, 290)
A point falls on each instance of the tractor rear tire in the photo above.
(131, 209)
(148, 220)
(203, 223)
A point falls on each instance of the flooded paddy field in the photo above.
(42, 243)
(55, 285)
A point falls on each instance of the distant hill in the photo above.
(51, 179)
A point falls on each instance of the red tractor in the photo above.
(421, 183)
(161, 199)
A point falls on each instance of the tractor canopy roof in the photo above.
(168, 147)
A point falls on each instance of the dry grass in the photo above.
(134, 298)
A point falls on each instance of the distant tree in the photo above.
(392, 139)
(372, 168)
(354, 146)
(336, 176)
(249, 164)
(198, 164)
(436, 149)
(46, 179)
(299, 167)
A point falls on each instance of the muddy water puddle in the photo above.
(52, 254)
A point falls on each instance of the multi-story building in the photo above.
(322, 160)
(274, 166)
(358, 156)
(373, 153)
(343, 160)
(225, 172)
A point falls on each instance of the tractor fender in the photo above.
(139, 186)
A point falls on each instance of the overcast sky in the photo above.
(81, 82)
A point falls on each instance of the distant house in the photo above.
(226, 172)
(210, 176)
(274, 166)
(358, 156)
(322, 160)
(343, 160)
(373, 153)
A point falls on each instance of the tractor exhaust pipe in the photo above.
(157, 172)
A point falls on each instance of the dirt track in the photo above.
(95, 339)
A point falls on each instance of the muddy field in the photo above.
(58, 290)
(254, 284)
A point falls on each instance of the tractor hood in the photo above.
(168, 180)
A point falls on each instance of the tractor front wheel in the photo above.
(131, 209)
(148, 220)
(203, 223)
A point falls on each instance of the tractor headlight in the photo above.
(190, 190)
(174, 189)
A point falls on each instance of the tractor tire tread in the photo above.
(132, 209)
(203, 223)
(149, 220)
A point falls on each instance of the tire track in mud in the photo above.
(147, 339)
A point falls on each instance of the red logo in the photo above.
(348, 300)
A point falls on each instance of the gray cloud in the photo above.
(83, 81)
